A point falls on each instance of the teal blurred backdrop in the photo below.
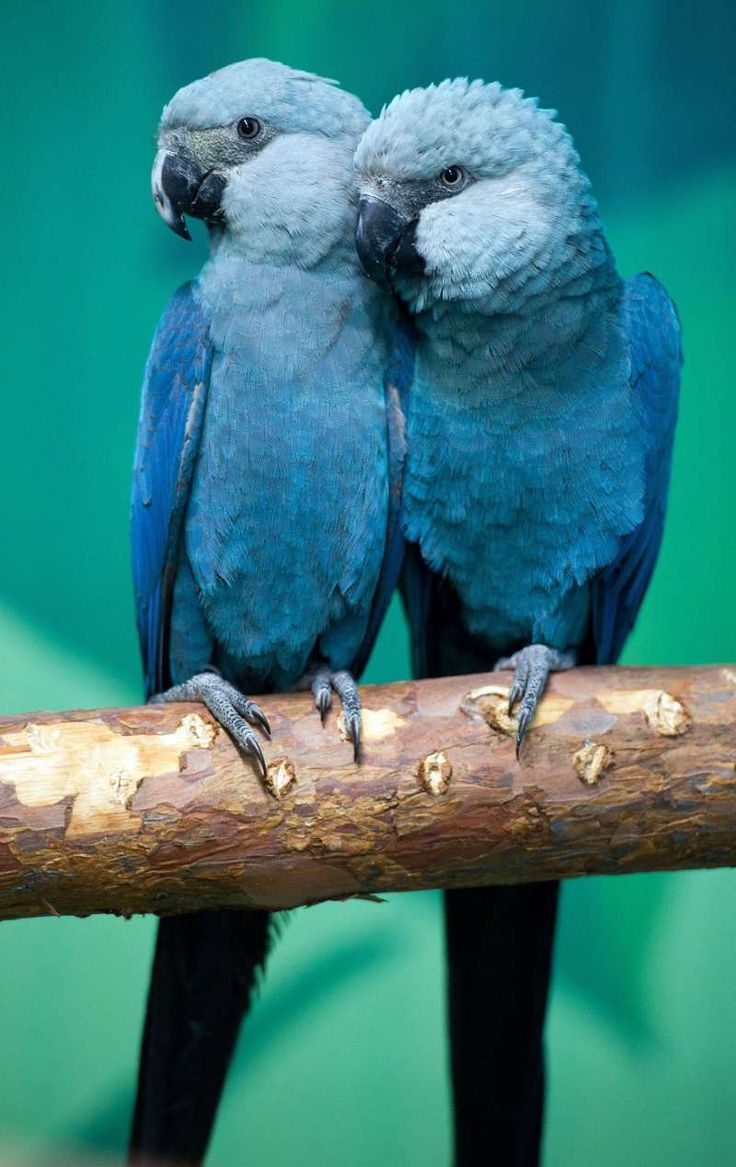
(343, 1062)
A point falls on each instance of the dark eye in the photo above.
(248, 129)
(452, 177)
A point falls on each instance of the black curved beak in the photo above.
(385, 241)
(180, 187)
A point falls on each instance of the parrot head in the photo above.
(468, 191)
(258, 151)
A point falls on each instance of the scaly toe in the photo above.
(249, 710)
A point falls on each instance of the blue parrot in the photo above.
(539, 441)
(265, 501)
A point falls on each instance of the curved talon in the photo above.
(353, 726)
(515, 692)
(254, 750)
(518, 684)
(256, 714)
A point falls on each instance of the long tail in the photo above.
(499, 944)
(204, 970)
(499, 947)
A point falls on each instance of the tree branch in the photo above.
(153, 810)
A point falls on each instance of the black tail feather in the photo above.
(204, 971)
(499, 948)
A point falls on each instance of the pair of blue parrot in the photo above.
(489, 420)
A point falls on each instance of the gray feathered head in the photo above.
(262, 153)
(469, 190)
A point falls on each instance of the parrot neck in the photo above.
(335, 253)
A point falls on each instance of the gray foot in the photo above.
(532, 666)
(323, 683)
(227, 705)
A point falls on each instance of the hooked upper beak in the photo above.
(181, 187)
(386, 241)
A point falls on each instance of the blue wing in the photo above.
(398, 383)
(174, 393)
(653, 330)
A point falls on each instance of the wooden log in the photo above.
(153, 810)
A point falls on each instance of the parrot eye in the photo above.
(453, 177)
(248, 129)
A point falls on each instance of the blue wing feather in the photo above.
(653, 330)
(398, 383)
(174, 392)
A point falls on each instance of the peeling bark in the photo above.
(153, 810)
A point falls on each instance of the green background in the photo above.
(343, 1061)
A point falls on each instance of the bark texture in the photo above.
(153, 810)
